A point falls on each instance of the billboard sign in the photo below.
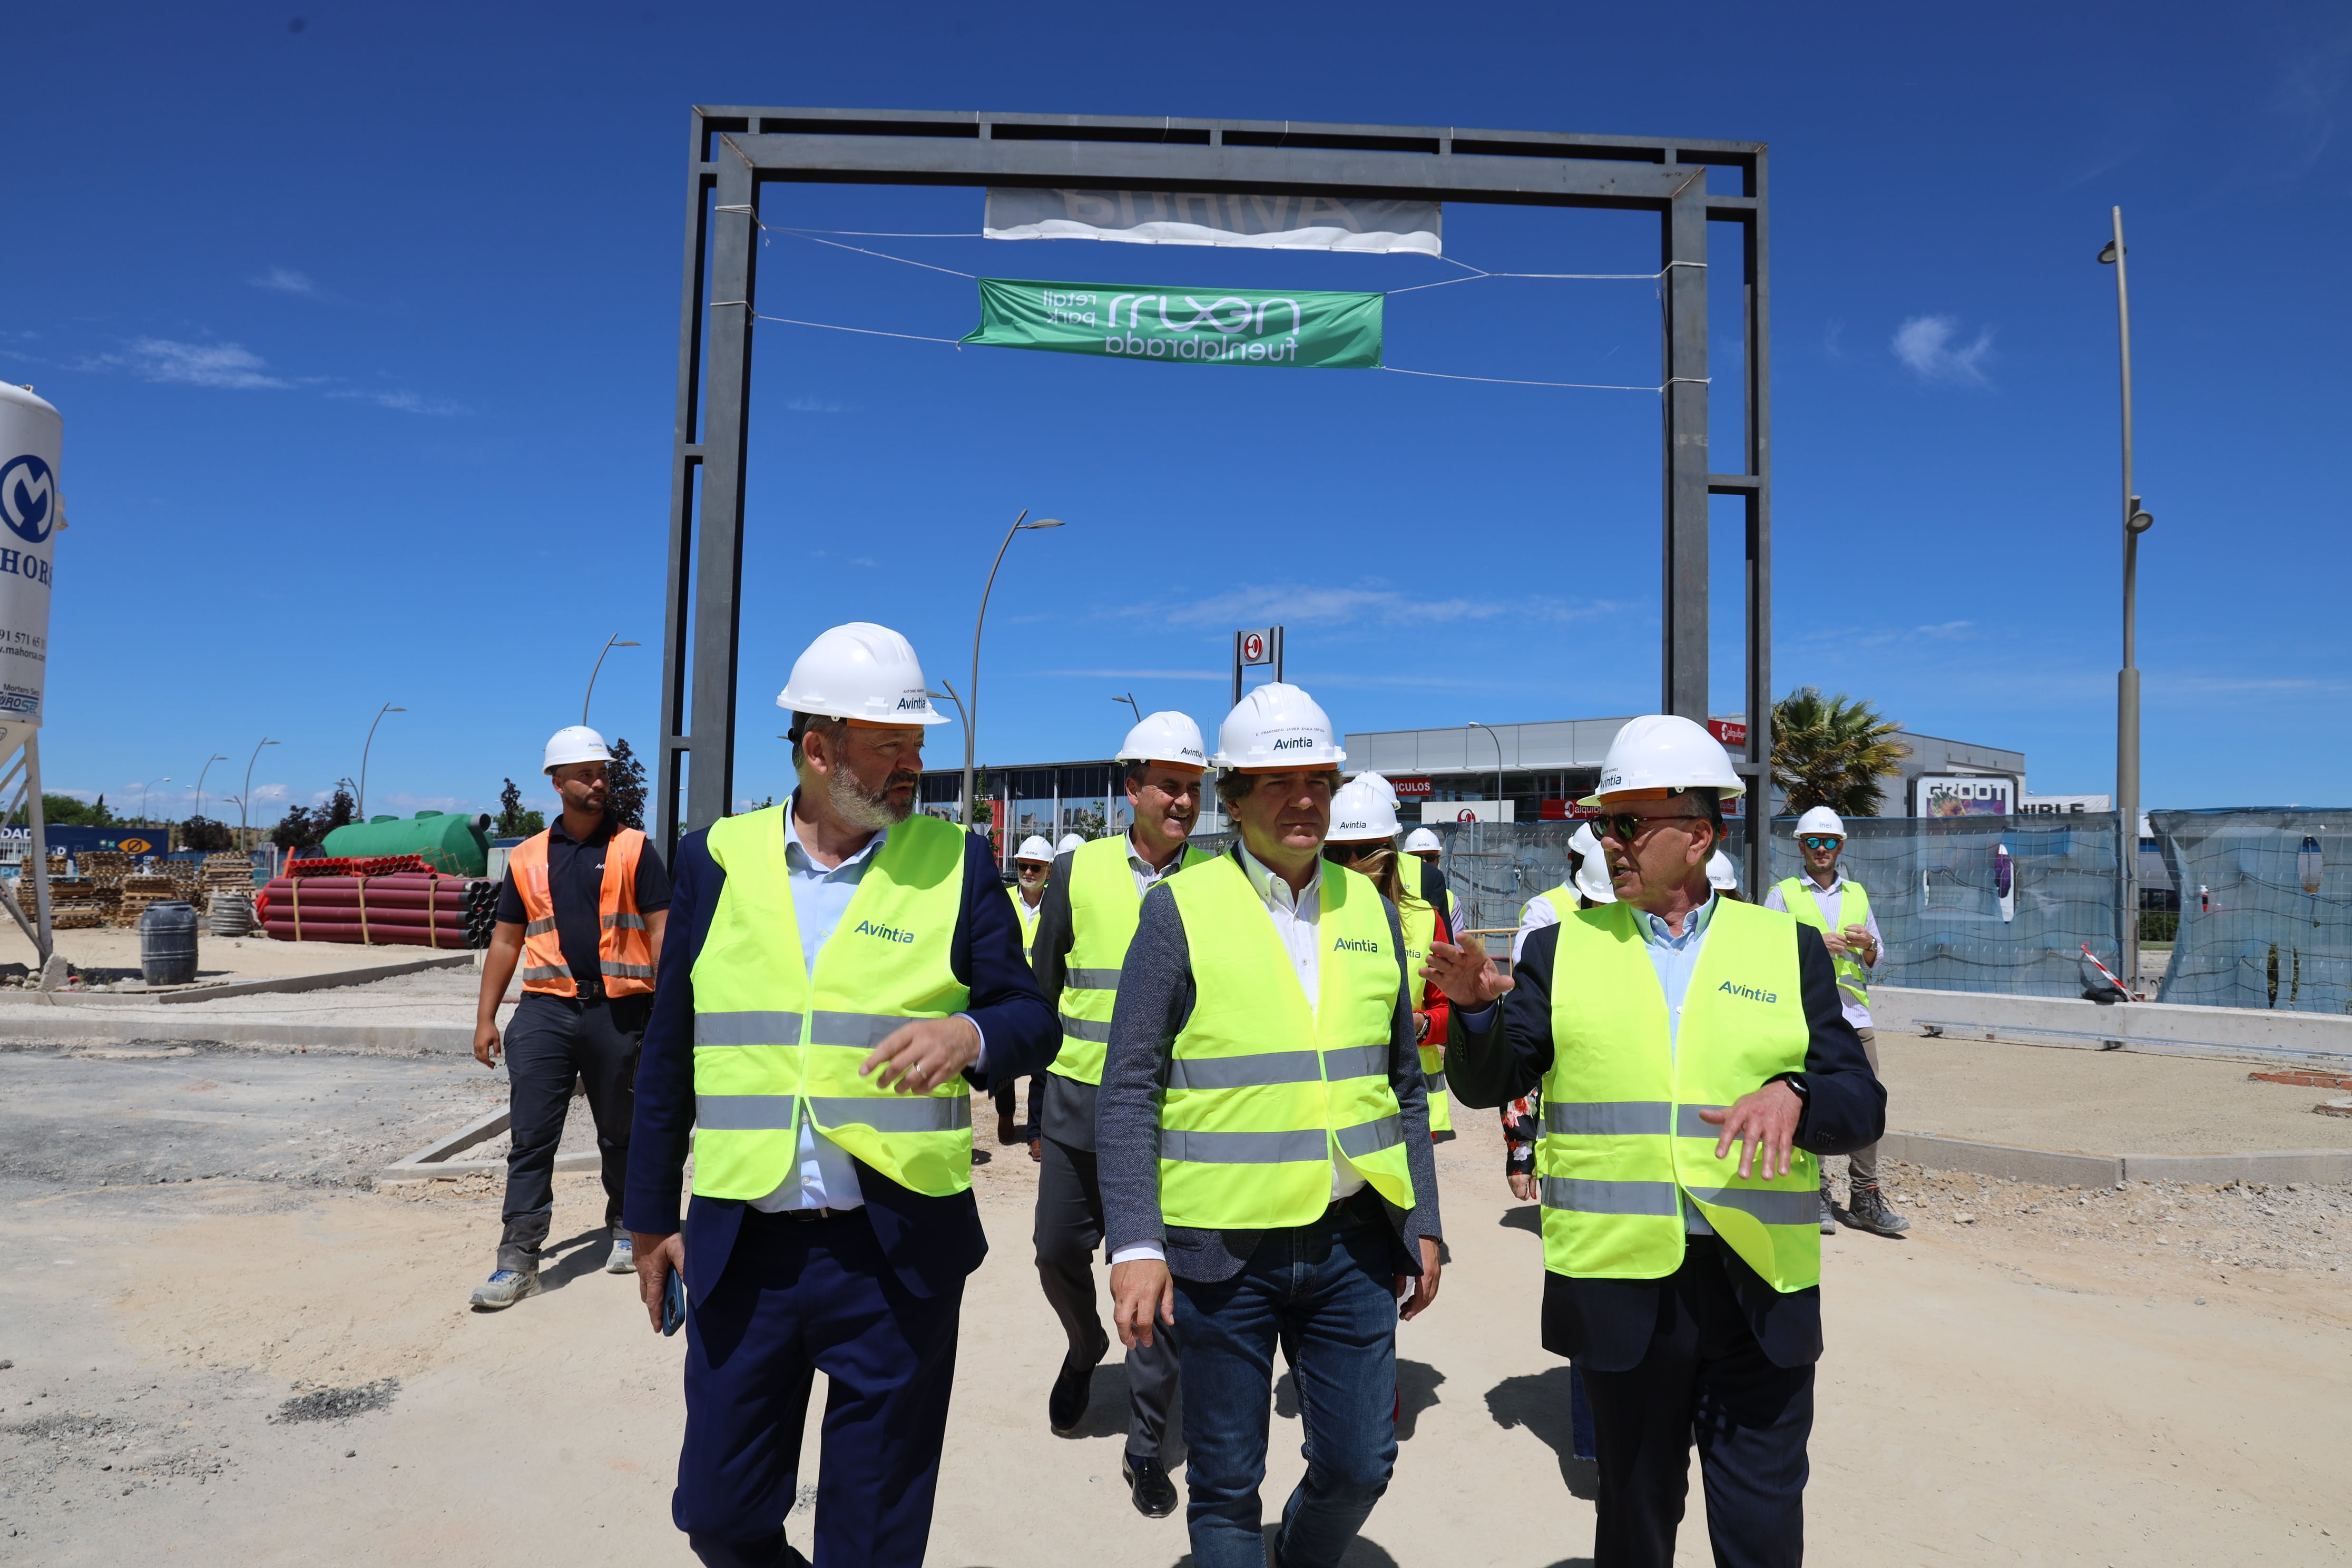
(1963, 795)
(31, 512)
(2063, 804)
(1732, 732)
(1466, 810)
(1412, 789)
(1257, 646)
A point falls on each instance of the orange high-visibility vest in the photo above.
(625, 949)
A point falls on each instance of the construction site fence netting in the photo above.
(2265, 907)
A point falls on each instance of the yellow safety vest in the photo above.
(1260, 1086)
(1418, 914)
(772, 1037)
(1853, 909)
(1028, 919)
(1622, 1142)
(1103, 909)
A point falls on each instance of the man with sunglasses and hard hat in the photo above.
(840, 972)
(1082, 930)
(1839, 907)
(1263, 1138)
(1031, 864)
(1696, 1064)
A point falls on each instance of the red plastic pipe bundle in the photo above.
(411, 909)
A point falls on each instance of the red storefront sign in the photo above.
(1730, 731)
(1567, 811)
(1412, 789)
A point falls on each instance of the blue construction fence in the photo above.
(2265, 907)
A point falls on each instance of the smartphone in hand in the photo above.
(673, 1302)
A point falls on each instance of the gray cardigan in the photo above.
(1155, 999)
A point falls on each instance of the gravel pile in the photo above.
(2290, 1227)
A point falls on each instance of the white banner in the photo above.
(1250, 222)
(1468, 810)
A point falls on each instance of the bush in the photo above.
(202, 833)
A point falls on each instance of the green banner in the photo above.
(1201, 326)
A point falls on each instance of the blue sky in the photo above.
(364, 333)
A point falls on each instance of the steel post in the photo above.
(686, 461)
(1684, 618)
(2127, 679)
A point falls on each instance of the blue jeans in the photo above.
(1327, 1291)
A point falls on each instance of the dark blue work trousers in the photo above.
(550, 1042)
(1326, 1293)
(796, 1297)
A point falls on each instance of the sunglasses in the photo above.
(1820, 841)
(1626, 826)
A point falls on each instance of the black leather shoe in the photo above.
(1148, 1483)
(1073, 1388)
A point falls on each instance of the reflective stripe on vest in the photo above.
(1418, 914)
(1622, 1146)
(1853, 909)
(1028, 919)
(1103, 909)
(1260, 1086)
(771, 1038)
(625, 949)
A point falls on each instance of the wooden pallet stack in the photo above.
(139, 890)
(187, 882)
(74, 904)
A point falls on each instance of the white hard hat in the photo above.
(1592, 865)
(1666, 753)
(1820, 819)
(574, 743)
(1375, 780)
(1165, 737)
(1070, 841)
(1360, 813)
(1276, 726)
(1033, 849)
(1719, 873)
(1418, 839)
(860, 671)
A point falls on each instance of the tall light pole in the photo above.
(362, 806)
(242, 800)
(615, 640)
(146, 789)
(1129, 700)
(215, 757)
(972, 713)
(2136, 522)
(1499, 761)
(961, 717)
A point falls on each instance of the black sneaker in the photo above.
(1073, 1388)
(1148, 1483)
(1867, 1207)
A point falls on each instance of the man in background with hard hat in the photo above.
(1839, 907)
(1422, 844)
(1082, 938)
(1031, 864)
(581, 910)
(843, 973)
(1264, 1142)
(1363, 837)
(1696, 1063)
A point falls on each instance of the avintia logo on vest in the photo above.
(1749, 991)
(1352, 944)
(888, 933)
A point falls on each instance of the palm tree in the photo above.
(1833, 751)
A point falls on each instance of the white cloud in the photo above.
(406, 805)
(286, 280)
(271, 792)
(403, 402)
(1925, 345)
(191, 364)
(1141, 674)
(1368, 606)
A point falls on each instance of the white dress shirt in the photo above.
(1832, 899)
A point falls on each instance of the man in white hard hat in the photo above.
(1363, 838)
(1264, 1143)
(843, 973)
(1696, 1064)
(1031, 863)
(582, 912)
(1838, 907)
(1421, 843)
(1070, 841)
(1721, 874)
(1088, 919)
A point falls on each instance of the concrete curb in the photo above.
(2058, 1167)
(79, 1025)
(2160, 1027)
(326, 980)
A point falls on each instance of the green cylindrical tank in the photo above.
(459, 845)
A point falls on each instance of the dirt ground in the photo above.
(108, 951)
(224, 1347)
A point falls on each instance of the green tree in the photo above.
(202, 833)
(297, 829)
(342, 811)
(1833, 751)
(627, 798)
(514, 822)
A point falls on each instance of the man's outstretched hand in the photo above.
(1763, 1122)
(1464, 972)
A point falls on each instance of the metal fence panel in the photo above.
(2265, 908)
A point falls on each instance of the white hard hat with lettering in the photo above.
(860, 671)
(1662, 754)
(1360, 813)
(1820, 819)
(1592, 878)
(1374, 779)
(1165, 737)
(1420, 840)
(1033, 849)
(1276, 726)
(574, 743)
(1719, 873)
(1070, 841)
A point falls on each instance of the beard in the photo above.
(862, 807)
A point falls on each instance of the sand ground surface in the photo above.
(224, 1348)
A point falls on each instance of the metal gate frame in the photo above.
(732, 152)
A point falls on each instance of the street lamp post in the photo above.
(215, 757)
(147, 789)
(1129, 700)
(242, 821)
(2136, 522)
(615, 640)
(387, 707)
(1499, 757)
(971, 712)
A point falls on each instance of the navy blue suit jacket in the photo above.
(930, 1242)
